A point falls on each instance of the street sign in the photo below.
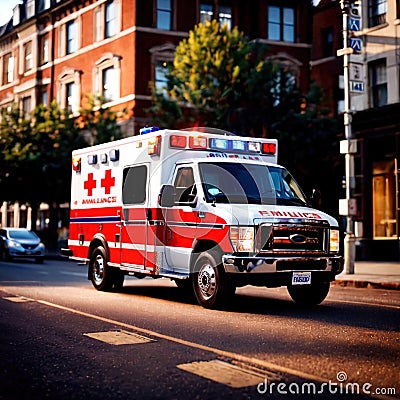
(354, 24)
(355, 9)
(357, 87)
(356, 44)
(356, 71)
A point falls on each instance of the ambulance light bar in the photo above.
(219, 144)
(149, 129)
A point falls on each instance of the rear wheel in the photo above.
(309, 295)
(100, 273)
(210, 283)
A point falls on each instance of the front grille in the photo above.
(304, 265)
(292, 238)
(29, 246)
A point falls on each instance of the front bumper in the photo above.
(12, 252)
(277, 271)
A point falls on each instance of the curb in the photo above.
(367, 284)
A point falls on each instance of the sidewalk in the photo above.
(372, 274)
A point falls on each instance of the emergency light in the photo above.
(149, 129)
(197, 142)
(76, 164)
(114, 155)
(92, 159)
(269, 148)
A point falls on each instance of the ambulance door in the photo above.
(181, 220)
(134, 224)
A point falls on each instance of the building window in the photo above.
(28, 57)
(206, 13)
(44, 50)
(224, 13)
(225, 16)
(30, 8)
(106, 20)
(327, 41)
(68, 90)
(164, 14)
(106, 75)
(69, 96)
(378, 83)
(44, 97)
(160, 79)
(110, 20)
(281, 23)
(384, 199)
(376, 12)
(8, 69)
(71, 37)
(108, 82)
(26, 106)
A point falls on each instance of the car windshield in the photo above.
(236, 183)
(22, 234)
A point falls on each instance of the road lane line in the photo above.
(363, 303)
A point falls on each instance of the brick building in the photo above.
(68, 49)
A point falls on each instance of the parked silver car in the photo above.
(20, 242)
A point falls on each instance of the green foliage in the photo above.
(100, 122)
(35, 151)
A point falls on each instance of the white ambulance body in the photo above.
(210, 211)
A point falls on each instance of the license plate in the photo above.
(301, 278)
(28, 252)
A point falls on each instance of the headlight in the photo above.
(13, 243)
(334, 241)
(242, 238)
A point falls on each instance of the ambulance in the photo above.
(207, 209)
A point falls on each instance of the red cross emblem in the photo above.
(108, 181)
(90, 184)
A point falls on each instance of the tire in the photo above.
(309, 295)
(210, 283)
(100, 274)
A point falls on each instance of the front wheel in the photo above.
(309, 295)
(100, 273)
(210, 283)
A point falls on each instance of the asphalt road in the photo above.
(62, 339)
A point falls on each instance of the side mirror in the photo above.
(316, 198)
(167, 196)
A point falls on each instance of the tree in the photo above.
(223, 79)
(35, 152)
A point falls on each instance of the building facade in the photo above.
(65, 50)
(375, 106)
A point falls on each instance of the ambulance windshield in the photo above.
(236, 183)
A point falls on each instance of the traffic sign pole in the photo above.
(349, 241)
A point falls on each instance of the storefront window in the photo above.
(384, 199)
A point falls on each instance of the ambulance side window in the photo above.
(185, 187)
(134, 185)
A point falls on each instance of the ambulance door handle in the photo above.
(201, 214)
